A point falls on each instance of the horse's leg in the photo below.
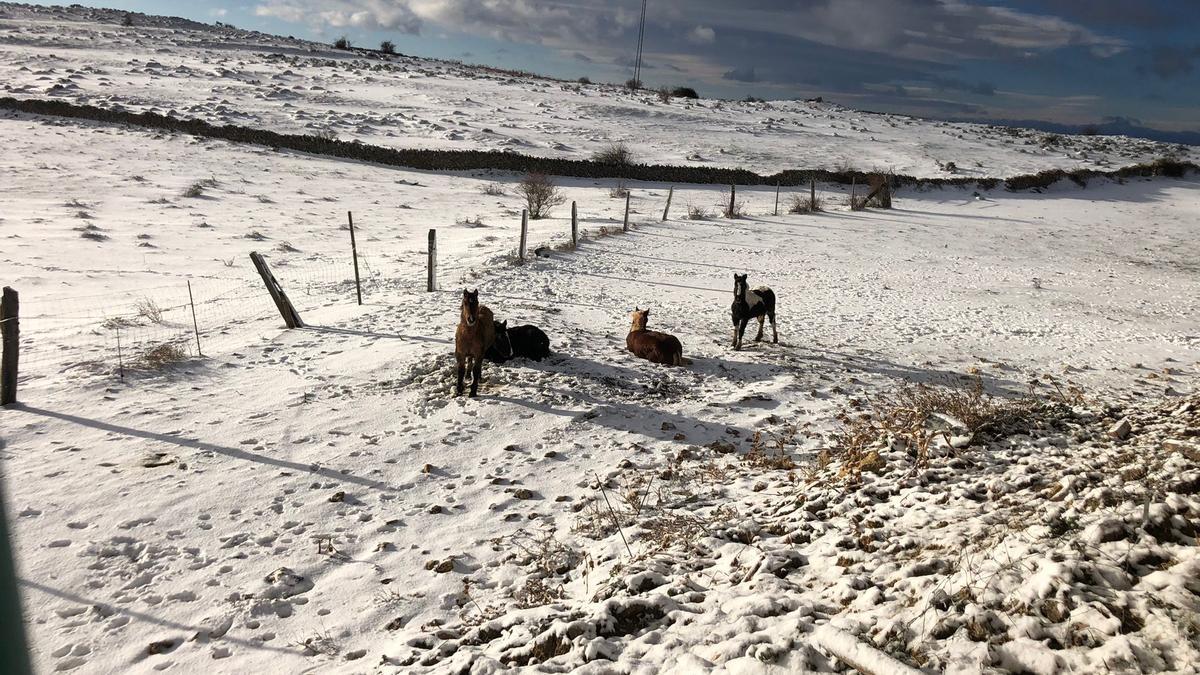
(761, 318)
(462, 371)
(476, 375)
(774, 332)
(740, 331)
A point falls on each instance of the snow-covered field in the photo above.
(228, 76)
(316, 500)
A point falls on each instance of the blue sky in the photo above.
(1065, 61)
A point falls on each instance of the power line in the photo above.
(637, 69)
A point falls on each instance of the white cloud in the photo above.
(701, 35)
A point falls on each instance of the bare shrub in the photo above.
(619, 191)
(698, 213)
(633, 84)
(584, 80)
(733, 209)
(615, 153)
(664, 94)
(802, 204)
(387, 47)
(149, 310)
(541, 194)
(342, 43)
(493, 190)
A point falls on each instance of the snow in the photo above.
(315, 499)
(227, 76)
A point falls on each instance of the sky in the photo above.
(1065, 61)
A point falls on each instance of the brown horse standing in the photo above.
(476, 332)
(653, 345)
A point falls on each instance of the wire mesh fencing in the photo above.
(136, 328)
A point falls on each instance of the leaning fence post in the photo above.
(10, 327)
(812, 194)
(195, 326)
(732, 201)
(431, 284)
(670, 193)
(524, 234)
(574, 225)
(354, 253)
(290, 317)
(776, 197)
(625, 227)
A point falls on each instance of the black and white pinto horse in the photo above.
(751, 304)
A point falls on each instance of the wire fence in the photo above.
(133, 328)
(145, 328)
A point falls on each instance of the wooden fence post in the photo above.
(195, 325)
(290, 317)
(776, 197)
(120, 356)
(354, 253)
(732, 201)
(10, 328)
(625, 227)
(670, 193)
(812, 195)
(431, 284)
(524, 234)
(574, 225)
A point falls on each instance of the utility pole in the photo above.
(637, 68)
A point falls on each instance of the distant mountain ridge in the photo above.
(1111, 126)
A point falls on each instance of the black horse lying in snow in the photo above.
(527, 341)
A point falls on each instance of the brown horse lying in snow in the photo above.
(653, 345)
(476, 332)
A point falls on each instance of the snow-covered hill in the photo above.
(316, 500)
(227, 76)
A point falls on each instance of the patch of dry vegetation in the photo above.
(914, 418)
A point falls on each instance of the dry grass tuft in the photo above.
(768, 450)
(150, 310)
(161, 356)
(913, 417)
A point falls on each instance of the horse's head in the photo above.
(470, 307)
(641, 317)
(739, 284)
(503, 342)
